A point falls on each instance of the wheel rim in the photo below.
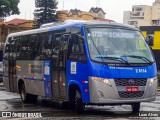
(23, 94)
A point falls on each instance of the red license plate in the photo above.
(132, 89)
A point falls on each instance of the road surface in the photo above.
(46, 109)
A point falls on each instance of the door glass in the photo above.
(76, 49)
(47, 48)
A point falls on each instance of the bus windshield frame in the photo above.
(118, 46)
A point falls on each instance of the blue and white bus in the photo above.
(82, 62)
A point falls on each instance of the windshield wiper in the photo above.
(113, 58)
(139, 57)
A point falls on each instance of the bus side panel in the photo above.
(33, 74)
(35, 87)
(76, 73)
(6, 75)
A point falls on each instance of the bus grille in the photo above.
(123, 94)
(131, 82)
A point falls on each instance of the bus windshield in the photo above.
(118, 46)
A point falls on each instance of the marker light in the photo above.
(86, 90)
(152, 80)
(23, 76)
(84, 81)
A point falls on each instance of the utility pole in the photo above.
(63, 5)
(76, 4)
(98, 3)
(25, 15)
(30, 14)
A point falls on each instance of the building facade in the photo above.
(74, 14)
(143, 15)
(93, 14)
(15, 25)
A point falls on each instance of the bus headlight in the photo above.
(152, 80)
(106, 81)
(103, 80)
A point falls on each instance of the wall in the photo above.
(156, 11)
(126, 16)
(151, 15)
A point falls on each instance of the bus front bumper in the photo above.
(100, 93)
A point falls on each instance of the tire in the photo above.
(135, 107)
(25, 97)
(79, 103)
(65, 105)
(72, 96)
(32, 98)
(23, 94)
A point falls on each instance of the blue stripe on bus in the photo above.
(47, 81)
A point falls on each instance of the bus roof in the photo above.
(70, 23)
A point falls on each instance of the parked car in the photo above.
(1, 72)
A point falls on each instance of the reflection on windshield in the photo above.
(118, 44)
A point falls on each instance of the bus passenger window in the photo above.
(47, 46)
(34, 45)
(39, 46)
(23, 48)
(7, 50)
(76, 48)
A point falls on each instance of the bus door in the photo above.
(59, 55)
(12, 67)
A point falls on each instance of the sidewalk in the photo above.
(158, 89)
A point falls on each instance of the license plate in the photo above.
(132, 89)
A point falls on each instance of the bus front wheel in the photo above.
(135, 107)
(79, 103)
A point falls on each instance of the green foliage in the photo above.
(8, 7)
(45, 12)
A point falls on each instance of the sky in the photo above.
(114, 8)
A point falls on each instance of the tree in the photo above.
(45, 12)
(8, 7)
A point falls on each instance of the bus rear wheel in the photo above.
(25, 97)
(135, 107)
(79, 103)
(23, 94)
